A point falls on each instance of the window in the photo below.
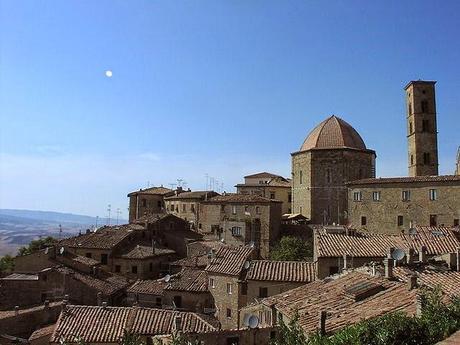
(426, 158)
(192, 208)
(433, 194)
(246, 208)
(244, 288)
(406, 195)
(410, 108)
(229, 288)
(89, 255)
(177, 300)
(104, 259)
(159, 205)
(222, 208)
(272, 195)
(263, 292)
(456, 222)
(424, 106)
(229, 313)
(233, 209)
(184, 207)
(200, 226)
(158, 301)
(212, 283)
(433, 220)
(144, 203)
(410, 128)
(400, 220)
(333, 270)
(357, 196)
(134, 269)
(117, 268)
(300, 177)
(328, 176)
(258, 210)
(151, 267)
(172, 207)
(376, 196)
(363, 220)
(425, 125)
(289, 197)
(411, 159)
(236, 231)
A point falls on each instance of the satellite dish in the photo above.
(46, 250)
(253, 321)
(246, 265)
(167, 278)
(251, 244)
(61, 251)
(398, 254)
(222, 240)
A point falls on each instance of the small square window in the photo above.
(263, 292)
(433, 194)
(357, 196)
(257, 209)
(272, 195)
(233, 209)
(229, 288)
(376, 196)
(229, 313)
(134, 269)
(400, 220)
(236, 231)
(406, 195)
(212, 283)
(363, 220)
(104, 259)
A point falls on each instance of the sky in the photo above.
(224, 88)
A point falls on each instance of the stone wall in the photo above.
(273, 288)
(382, 216)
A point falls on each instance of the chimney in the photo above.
(412, 282)
(177, 323)
(374, 271)
(322, 322)
(390, 251)
(345, 261)
(422, 254)
(16, 310)
(99, 298)
(104, 305)
(388, 268)
(410, 256)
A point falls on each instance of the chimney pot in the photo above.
(322, 322)
(412, 282)
(410, 256)
(388, 268)
(422, 254)
(390, 251)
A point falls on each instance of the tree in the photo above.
(291, 249)
(6, 263)
(36, 245)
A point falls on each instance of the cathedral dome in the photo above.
(333, 133)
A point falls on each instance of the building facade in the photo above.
(269, 186)
(148, 201)
(240, 219)
(422, 133)
(331, 155)
(392, 205)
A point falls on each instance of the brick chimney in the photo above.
(422, 254)
(389, 263)
(412, 282)
(322, 322)
(410, 256)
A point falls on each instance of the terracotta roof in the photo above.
(153, 190)
(106, 283)
(454, 339)
(437, 240)
(106, 324)
(345, 300)
(385, 180)
(84, 260)
(199, 248)
(106, 237)
(145, 251)
(196, 261)
(286, 271)
(333, 133)
(262, 175)
(6, 314)
(46, 331)
(20, 276)
(188, 279)
(240, 198)
(148, 287)
(229, 260)
(199, 195)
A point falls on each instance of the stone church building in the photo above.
(332, 154)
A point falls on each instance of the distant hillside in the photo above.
(19, 227)
(50, 216)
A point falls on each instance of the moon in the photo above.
(108, 74)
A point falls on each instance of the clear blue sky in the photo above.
(226, 88)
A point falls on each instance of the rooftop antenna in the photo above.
(60, 231)
(216, 184)
(118, 214)
(207, 181)
(184, 184)
(97, 219)
(172, 185)
(179, 182)
(109, 210)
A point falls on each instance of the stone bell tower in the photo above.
(422, 134)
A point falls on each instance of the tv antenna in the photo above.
(109, 210)
(60, 231)
(179, 182)
(172, 185)
(207, 181)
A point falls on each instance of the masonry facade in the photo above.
(392, 205)
(331, 155)
(148, 201)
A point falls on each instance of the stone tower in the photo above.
(331, 155)
(422, 134)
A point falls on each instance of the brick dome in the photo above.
(333, 133)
